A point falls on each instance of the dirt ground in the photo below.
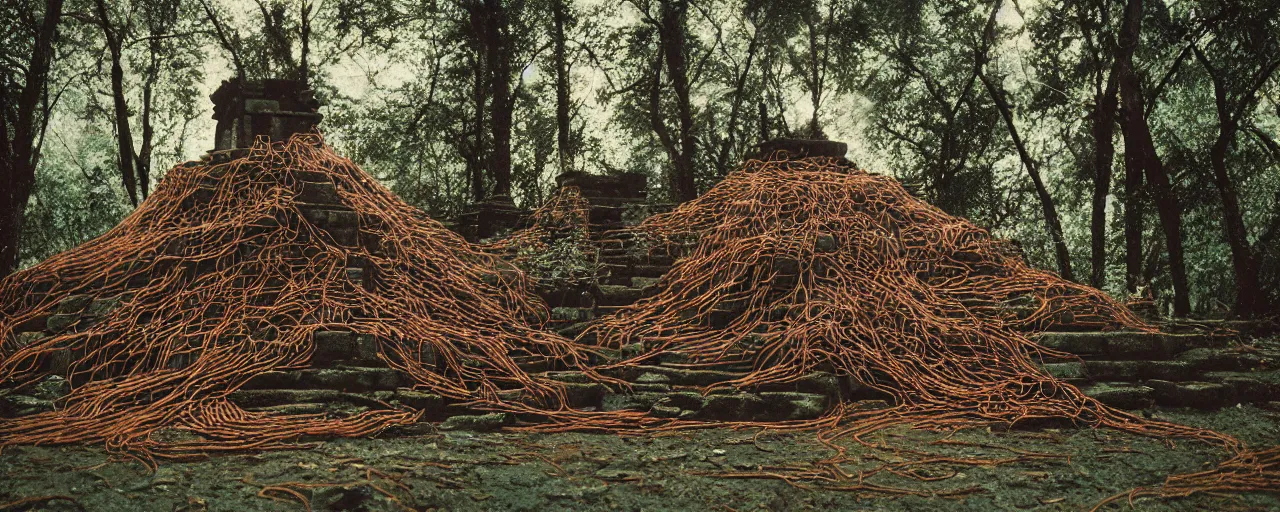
(463, 470)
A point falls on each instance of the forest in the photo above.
(1128, 145)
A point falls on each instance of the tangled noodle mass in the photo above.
(784, 268)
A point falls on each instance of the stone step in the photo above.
(1121, 395)
(1253, 387)
(1134, 371)
(737, 406)
(1195, 394)
(352, 379)
(1127, 345)
(338, 403)
(636, 270)
(618, 295)
(344, 347)
(579, 395)
(1228, 359)
(1211, 390)
(317, 193)
(1187, 366)
(645, 283)
(568, 316)
(625, 257)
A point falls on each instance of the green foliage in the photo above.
(897, 79)
(562, 264)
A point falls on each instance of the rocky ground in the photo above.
(469, 470)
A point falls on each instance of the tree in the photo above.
(681, 147)
(1240, 58)
(1074, 54)
(562, 20)
(25, 105)
(1140, 153)
(999, 97)
(930, 114)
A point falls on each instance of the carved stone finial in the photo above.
(276, 109)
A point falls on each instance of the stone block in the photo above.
(12, 406)
(791, 406)
(680, 376)
(1253, 387)
(356, 380)
(1082, 344)
(1169, 370)
(614, 295)
(1217, 359)
(1130, 371)
(317, 193)
(26, 338)
(825, 243)
(261, 105)
(478, 423)
(61, 322)
(314, 176)
(347, 237)
(53, 387)
(641, 401)
(422, 401)
(74, 303)
(1120, 395)
(103, 306)
(573, 331)
(730, 407)
(818, 383)
(273, 397)
(652, 378)
(330, 217)
(1136, 345)
(571, 314)
(1068, 371)
(1200, 395)
(645, 282)
(333, 346)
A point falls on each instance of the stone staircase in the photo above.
(1135, 370)
(1203, 366)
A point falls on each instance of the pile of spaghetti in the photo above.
(220, 276)
(787, 267)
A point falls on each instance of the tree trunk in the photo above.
(124, 136)
(1133, 214)
(1244, 260)
(764, 122)
(673, 42)
(815, 79)
(479, 97)
(1103, 129)
(304, 32)
(1051, 220)
(19, 154)
(148, 131)
(499, 57)
(1136, 127)
(722, 163)
(1052, 223)
(564, 149)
